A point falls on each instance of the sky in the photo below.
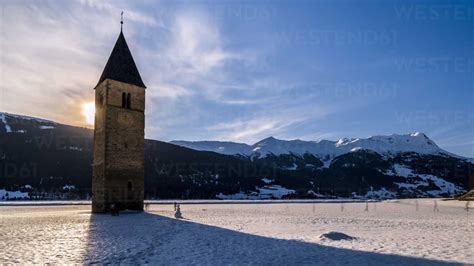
(246, 70)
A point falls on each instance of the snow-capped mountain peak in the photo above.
(345, 141)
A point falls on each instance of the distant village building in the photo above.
(119, 138)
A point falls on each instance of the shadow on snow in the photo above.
(155, 239)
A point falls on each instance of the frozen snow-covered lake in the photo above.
(391, 232)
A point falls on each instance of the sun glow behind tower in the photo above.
(88, 111)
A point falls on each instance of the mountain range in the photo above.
(52, 160)
(393, 144)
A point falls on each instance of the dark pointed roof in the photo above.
(120, 66)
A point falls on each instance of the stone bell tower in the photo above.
(118, 169)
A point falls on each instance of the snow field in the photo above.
(390, 232)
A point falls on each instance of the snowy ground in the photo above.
(391, 232)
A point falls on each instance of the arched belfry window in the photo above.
(129, 186)
(129, 96)
(124, 100)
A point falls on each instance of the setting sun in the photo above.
(88, 110)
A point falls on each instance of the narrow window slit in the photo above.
(128, 100)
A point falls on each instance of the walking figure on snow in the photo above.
(435, 208)
(177, 214)
(114, 210)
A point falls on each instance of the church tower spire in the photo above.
(121, 66)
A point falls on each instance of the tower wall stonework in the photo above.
(119, 139)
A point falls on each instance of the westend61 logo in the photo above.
(365, 37)
(18, 169)
(441, 64)
(211, 169)
(435, 12)
(336, 90)
(437, 117)
(243, 12)
(350, 89)
(62, 142)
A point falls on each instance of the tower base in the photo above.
(101, 207)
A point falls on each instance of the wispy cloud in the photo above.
(196, 46)
(253, 130)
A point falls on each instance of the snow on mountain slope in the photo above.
(4, 121)
(415, 182)
(266, 192)
(24, 117)
(415, 142)
(223, 147)
(277, 147)
(5, 194)
(10, 119)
